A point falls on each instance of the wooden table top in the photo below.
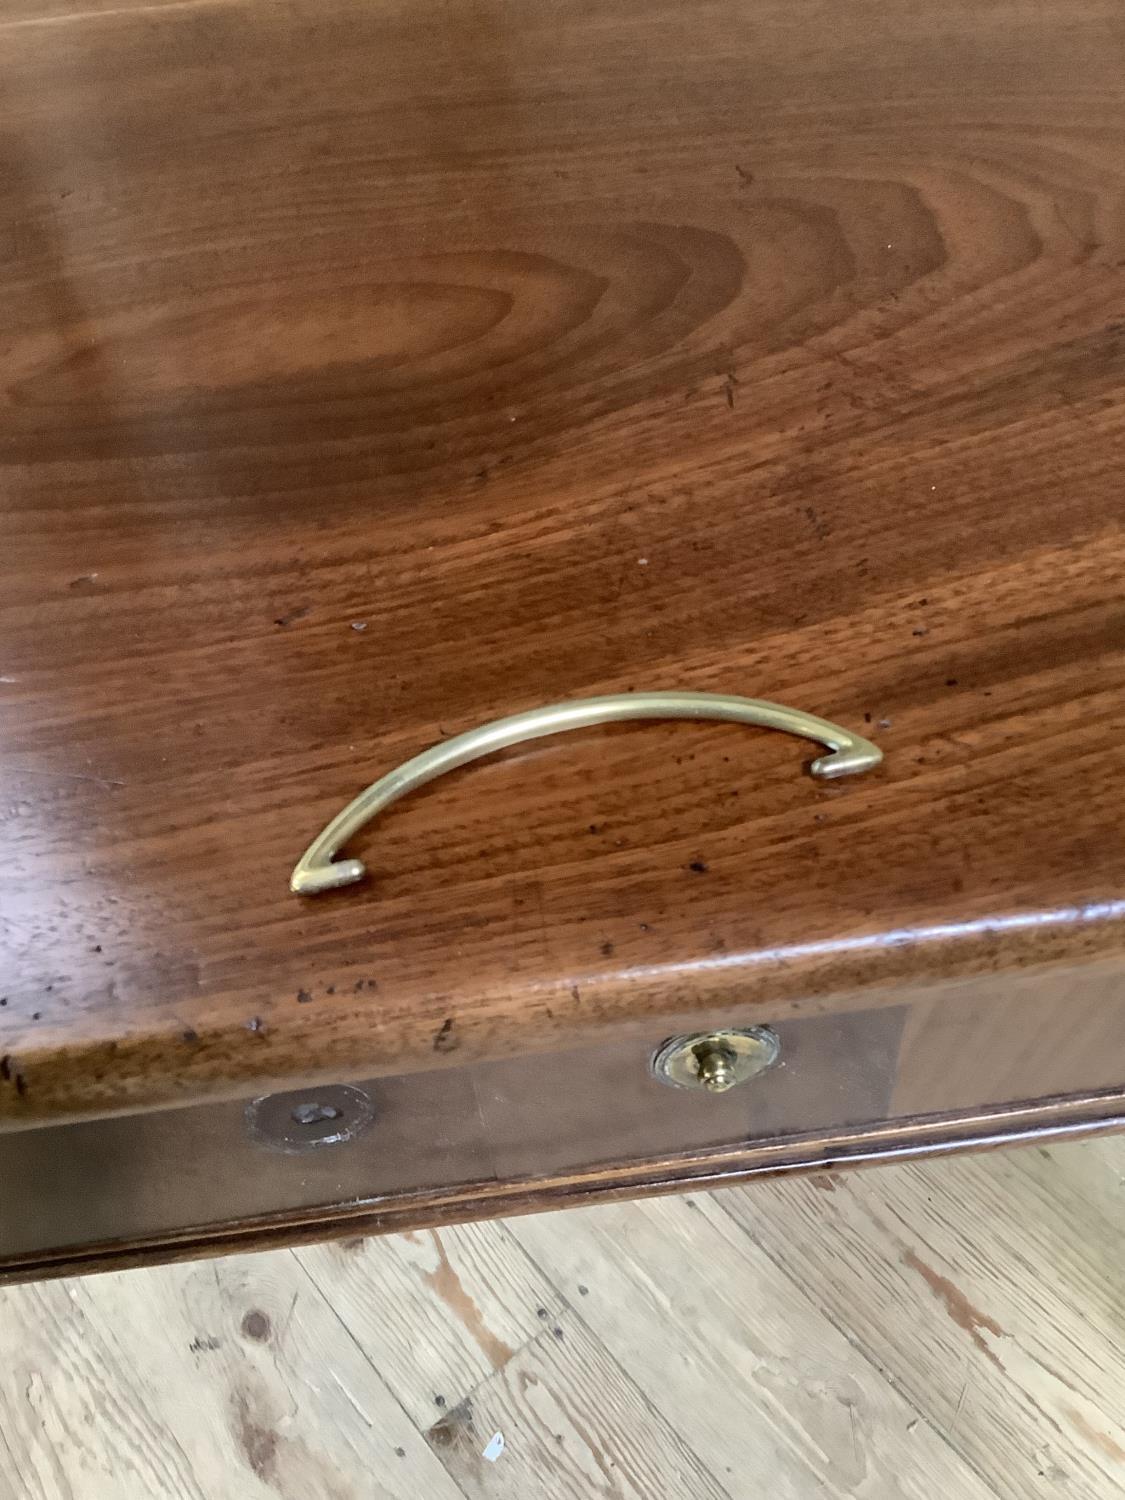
(371, 371)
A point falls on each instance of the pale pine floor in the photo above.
(950, 1330)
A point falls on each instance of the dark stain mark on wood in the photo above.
(957, 1305)
(205, 1343)
(698, 866)
(257, 1441)
(303, 997)
(444, 1432)
(1095, 1435)
(256, 1325)
(445, 1041)
(290, 615)
(445, 1281)
(821, 529)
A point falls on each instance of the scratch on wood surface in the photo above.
(960, 1404)
(289, 1315)
(125, 10)
(352, 1402)
(67, 775)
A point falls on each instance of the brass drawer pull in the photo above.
(319, 870)
(716, 1060)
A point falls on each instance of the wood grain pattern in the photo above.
(234, 1380)
(444, 1307)
(475, 1339)
(1048, 1032)
(632, 1452)
(829, 1342)
(1015, 1361)
(731, 347)
(767, 1357)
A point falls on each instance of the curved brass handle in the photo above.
(319, 870)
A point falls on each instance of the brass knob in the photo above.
(714, 1067)
(716, 1060)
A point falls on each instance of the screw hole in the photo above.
(313, 1114)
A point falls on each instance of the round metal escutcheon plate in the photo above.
(309, 1119)
(716, 1061)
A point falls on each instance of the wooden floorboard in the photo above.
(987, 1292)
(950, 1328)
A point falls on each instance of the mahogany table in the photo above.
(370, 372)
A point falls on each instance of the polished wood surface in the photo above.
(370, 371)
(820, 1153)
(979, 1063)
(219, 1171)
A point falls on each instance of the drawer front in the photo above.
(521, 1118)
(317, 1161)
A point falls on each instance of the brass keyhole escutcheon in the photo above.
(716, 1061)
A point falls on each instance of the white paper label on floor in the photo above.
(495, 1447)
